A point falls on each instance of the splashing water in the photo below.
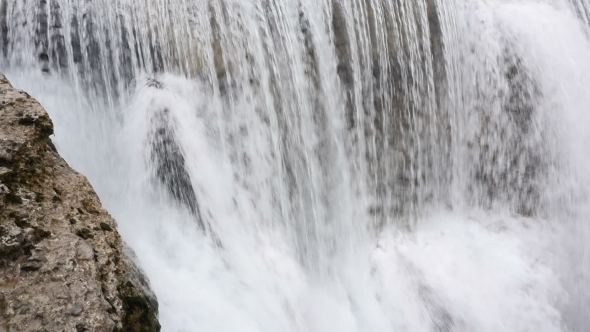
(357, 165)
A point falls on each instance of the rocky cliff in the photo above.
(63, 266)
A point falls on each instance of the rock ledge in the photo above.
(63, 266)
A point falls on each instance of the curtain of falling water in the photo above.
(341, 119)
(285, 56)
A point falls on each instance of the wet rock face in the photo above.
(170, 166)
(168, 161)
(510, 166)
(63, 266)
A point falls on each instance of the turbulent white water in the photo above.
(360, 165)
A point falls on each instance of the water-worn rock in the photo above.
(63, 266)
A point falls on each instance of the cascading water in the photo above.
(353, 165)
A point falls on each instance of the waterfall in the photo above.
(330, 165)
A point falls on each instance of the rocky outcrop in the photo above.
(63, 266)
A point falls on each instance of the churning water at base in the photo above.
(401, 165)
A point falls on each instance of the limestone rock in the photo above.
(63, 266)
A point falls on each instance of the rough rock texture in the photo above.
(63, 266)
